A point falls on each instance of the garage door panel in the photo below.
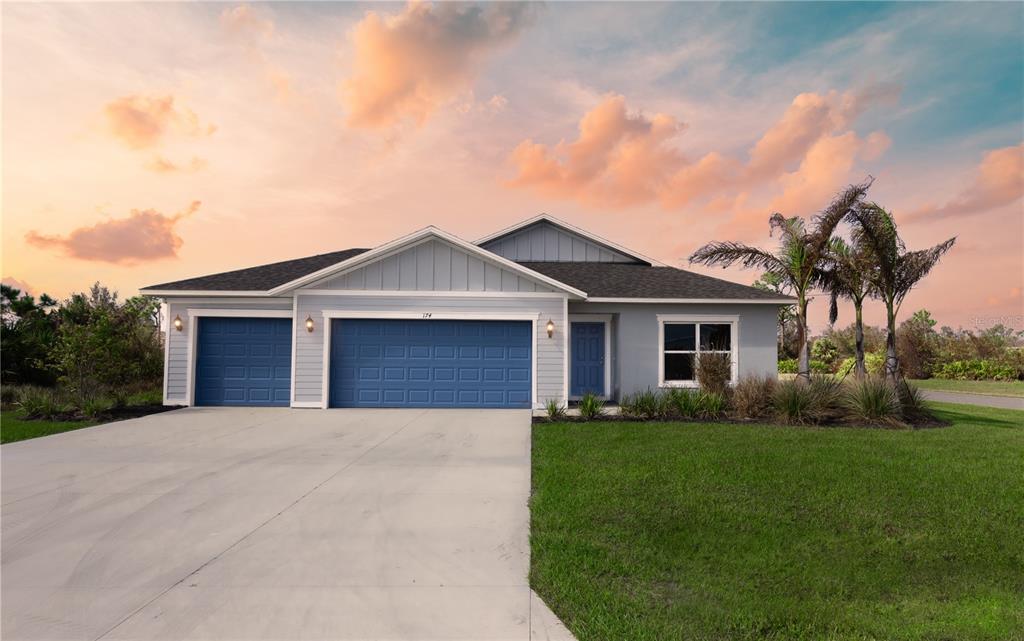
(243, 361)
(423, 363)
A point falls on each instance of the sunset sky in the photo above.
(148, 142)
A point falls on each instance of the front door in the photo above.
(587, 359)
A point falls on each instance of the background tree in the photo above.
(917, 345)
(895, 270)
(26, 336)
(799, 260)
(848, 277)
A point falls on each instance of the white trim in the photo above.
(710, 301)
(407, 293)
(206, 293)
(193, 327)
(734, 340)
(606, 319)
(306, 404)
(565, 351)
(569, 227)
(331, 314)
(295, 340)
(426, 233)
(167, 350)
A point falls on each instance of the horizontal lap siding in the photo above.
(177, 347)
(545, 242)
(308, 371)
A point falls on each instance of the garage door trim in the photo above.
(193, 329)
(330, 314)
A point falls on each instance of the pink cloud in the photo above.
(255, 30)
(145, 235)
(998, 181)
(143, 121)
(162, 165)
(409, 64)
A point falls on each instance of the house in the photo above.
(541, 310)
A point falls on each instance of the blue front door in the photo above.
(430, 363)
(243, 361)
(587, 359)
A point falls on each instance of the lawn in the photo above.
(701, 531)
(997, 388)
(15, 427)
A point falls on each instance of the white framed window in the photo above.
(683, 338)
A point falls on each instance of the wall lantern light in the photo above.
(177, 323)
(551, 328)
(309, 323)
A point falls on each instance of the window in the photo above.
(681, 341)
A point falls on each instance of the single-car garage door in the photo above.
(243, 361)
(430, 363)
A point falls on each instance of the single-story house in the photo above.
(541, 310)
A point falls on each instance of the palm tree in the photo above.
(799, 259)
(895, 271)
(848, 277)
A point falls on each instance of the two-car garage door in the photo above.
(373, 362)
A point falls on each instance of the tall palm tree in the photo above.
(799, 259)
(895, 271)
(848, 277)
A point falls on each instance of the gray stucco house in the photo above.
(541, 310)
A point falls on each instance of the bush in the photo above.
(97, 406)
(714, 371)
(800, 402)
(683, 402)
(788, 366)
(977, 370)
(752, 396)
(44, 403)
(871, 400)
(711, 404)
(825, 350)
(874, 362)
(9, 395)
(591, 407)
(555, 410)
(912, 403)
(648, 404)
(820, 367)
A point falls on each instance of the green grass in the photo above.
(15, 427)
(701, 531)
(995, 388)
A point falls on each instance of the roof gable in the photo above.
(546, 238)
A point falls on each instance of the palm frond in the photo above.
(825, 222)
(915, 265)
(726, 253)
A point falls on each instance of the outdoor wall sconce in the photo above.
(551, 328)
(177, 323)
(309, 324)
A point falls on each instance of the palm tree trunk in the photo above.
(804, 362)
(859, 369)
(892, 363)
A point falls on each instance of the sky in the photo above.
(147, 142)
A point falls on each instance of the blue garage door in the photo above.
(243, 361)
(430, 363)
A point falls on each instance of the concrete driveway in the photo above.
(273, 524)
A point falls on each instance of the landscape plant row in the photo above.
(59, 403)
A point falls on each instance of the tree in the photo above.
(27, 333)
(895, 271)
(771, 283)
(799, 260)
(917, 345)
(847, 277)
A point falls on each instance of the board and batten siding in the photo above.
(433, 265)
(176, 367)
(309, 347)
(546, 242)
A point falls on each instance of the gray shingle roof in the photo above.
(261, 278)
(623, 280)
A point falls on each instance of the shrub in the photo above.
(41, 402)
(683, 402)
(591, 407)
(648, 404)
(96, 406)
(845, 368)
(788, 366)
(912, 403)
(711, 404)
(752, 396)
(555, 410)
(9, 395)
(871, 400)
(714, 371)
(825, 350)
(820, 367)
(801, 402)
(977, 370)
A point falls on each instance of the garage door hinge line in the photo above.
(260, 526)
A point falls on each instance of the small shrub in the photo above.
(912, 403)
(714, 371)
(800, 402)
(683, 402)
(97, 406)
(40, 402)
(788, 366)
(152, 396)
(9, 395)
(874, 362)
(650, 404)
(871, 400)
(752, 396)
(825, 350)
(591, 407)
(555, 410)
(711, 404)
(977, 369)
(820, 367)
